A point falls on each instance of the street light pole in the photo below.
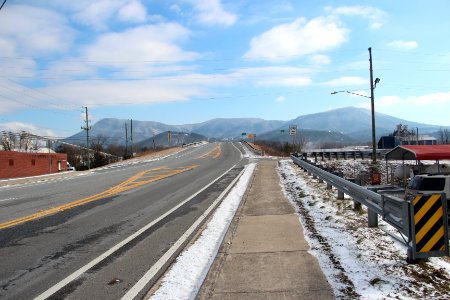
(372, 106)
(373, 85)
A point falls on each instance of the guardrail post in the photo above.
(372, 218)
(340, 195)
(329, 186)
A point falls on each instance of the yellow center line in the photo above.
(133, 182)
(215, 153)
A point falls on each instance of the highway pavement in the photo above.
(94, 236)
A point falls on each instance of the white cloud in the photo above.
(298, 38)
(410, 102)
(31, 30)
(273, 76)
(175, 8)
(149, 44)
(402, 45)
(346, 81)
(17, 127)
(98, 14)
(211, 12)
(387, 101)
(14, 68)
(376, 16)
(133, 12)
(134, 92)
(280, 99)
(320, 59)
(435, 98)
(288, 82)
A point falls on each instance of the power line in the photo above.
(37, 91)
(2, 4)
(32, 96)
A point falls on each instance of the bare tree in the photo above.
(8, 141)
(25, 141)
(300, 143)
(97, 144)
(443, 136)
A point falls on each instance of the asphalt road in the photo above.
(50, 230)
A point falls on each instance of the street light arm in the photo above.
(357, 94)
(335, 92)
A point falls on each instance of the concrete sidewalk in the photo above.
(264, 253)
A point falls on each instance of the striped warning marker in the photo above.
(429, 223)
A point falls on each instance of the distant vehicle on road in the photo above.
(70, 167)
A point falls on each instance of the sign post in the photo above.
(293, 133)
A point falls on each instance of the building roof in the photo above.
(419, 152)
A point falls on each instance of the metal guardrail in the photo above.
(362, 195)
(253, 149)
(345, 153)
(393, 210)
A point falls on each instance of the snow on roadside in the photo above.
(359, 262)
(186, 276)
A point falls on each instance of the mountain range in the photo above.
(346, 125)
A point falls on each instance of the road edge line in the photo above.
(180, 243)
(55, 288)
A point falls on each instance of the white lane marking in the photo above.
(240, 152)
(100, 258)
(134, 291)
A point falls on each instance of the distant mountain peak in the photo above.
(353, 121)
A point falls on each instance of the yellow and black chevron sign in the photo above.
(429, 224)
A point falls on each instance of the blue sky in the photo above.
(188, 61)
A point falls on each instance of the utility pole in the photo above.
(126, 140)
(372, 106)
(87, 128)
(49, 158)
(131, 137)
(417, 135)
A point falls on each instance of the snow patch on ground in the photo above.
(186, 276)
(359, 262)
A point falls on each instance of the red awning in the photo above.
(419, 152)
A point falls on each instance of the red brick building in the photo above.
(22, 164)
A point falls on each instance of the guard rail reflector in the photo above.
(430, 230)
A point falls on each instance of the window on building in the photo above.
(11, 162)
(33, 162)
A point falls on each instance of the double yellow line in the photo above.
(133, 182)
(215, 153)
